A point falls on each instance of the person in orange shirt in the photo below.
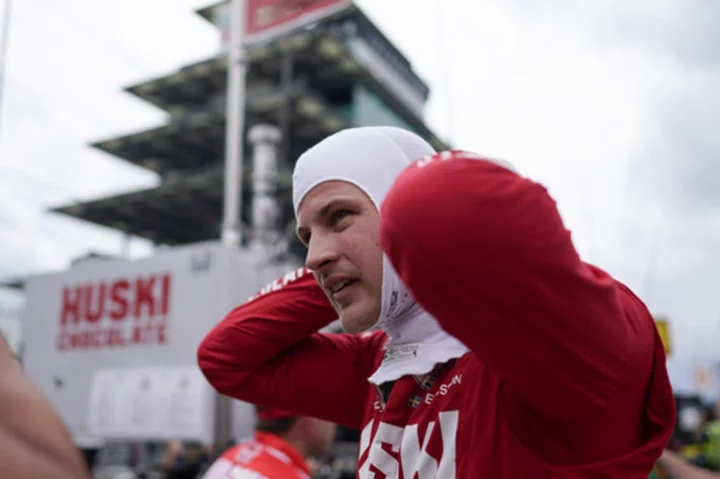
(281, 449)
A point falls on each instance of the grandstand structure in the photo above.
(310, 83)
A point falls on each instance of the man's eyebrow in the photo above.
(325, 209)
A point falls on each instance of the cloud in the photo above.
(681, 30)
(684, 30)
(679, 164)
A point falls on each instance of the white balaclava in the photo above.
(371, 158)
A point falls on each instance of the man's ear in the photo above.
(304, 426)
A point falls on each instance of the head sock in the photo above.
(371, 158)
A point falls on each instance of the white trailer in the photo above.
(112, 343)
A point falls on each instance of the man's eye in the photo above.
(339, 215)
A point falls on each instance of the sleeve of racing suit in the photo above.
(268, 352)
(485, 251)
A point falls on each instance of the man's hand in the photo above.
(679, 468)
(34, 443)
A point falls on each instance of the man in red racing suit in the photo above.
(278, 450)
(559, 371)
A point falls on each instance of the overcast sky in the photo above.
(613, 105)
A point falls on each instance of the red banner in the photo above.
(271, 18)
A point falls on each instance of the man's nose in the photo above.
(321, 252)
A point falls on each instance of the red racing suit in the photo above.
(265, 457)
(566, 373)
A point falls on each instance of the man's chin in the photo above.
(355, 323)
(353, 329)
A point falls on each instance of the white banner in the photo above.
(150, 403)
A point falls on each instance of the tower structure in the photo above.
(338, 72)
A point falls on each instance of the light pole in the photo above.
(235, 126)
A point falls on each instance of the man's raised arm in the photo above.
(268, 352)
(485, 251)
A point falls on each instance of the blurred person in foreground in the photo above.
(674, 466)
(34, 443)
(479, 345)
(283, 448)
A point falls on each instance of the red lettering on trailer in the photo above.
(118, 313)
